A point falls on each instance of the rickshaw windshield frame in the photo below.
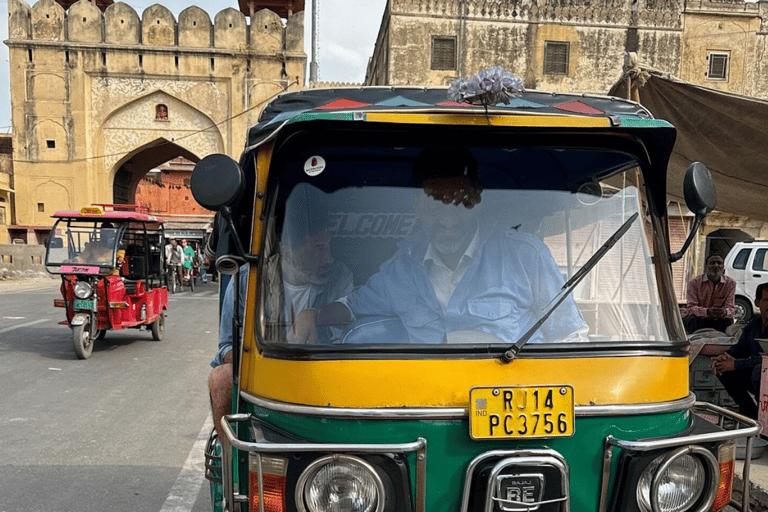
(570, 164)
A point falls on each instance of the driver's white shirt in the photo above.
(444, 280)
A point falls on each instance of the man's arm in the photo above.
(729, 307)
(304, 329)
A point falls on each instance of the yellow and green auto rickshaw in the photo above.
(464, 307)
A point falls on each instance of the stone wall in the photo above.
(87, 86)
(22, 261)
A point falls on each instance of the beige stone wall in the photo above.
(513, 36)
(86, 88)
(672, 37)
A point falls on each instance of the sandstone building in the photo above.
(99, 98)
(573, 45)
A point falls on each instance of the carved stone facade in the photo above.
(589, 39)
(99, 99)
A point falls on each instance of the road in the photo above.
(121, 431)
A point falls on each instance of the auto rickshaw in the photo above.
(510, 395)
(112, 267)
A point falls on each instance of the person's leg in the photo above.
(691, 323)
(220, 389)
(738, 384)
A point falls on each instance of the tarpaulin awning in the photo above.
(727, 132)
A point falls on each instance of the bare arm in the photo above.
(305, 327)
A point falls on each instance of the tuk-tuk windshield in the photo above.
(466, 245)
(83, 242)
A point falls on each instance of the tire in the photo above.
(82, 340)
(743, 310)
(192, 283)
(158, 327)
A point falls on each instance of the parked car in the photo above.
(746, 263)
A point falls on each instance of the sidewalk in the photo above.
(24, 284)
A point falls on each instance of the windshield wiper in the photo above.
(568, 287)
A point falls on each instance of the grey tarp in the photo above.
(727, 132)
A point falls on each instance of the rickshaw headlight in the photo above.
(340, 483)
(682, 479)
(83, 290)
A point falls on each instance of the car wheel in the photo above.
(743, 310)
(82, 340)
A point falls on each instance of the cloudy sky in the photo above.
(347, 33)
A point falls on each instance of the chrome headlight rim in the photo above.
(302, 485)
(708, 492)
(83, 290)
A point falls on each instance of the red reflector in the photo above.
(274, 492)
(59, 303)
(726, 462)
(118, 305)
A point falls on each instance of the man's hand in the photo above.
(304, 328)
(723, 363)
(716, 312)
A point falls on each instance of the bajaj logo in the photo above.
(516, 493)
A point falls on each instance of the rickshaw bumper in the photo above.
(79, 319)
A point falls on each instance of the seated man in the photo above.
(710, 298)
(311, 278)
(739, 367)
(463, 274)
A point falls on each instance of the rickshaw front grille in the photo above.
(517, 481)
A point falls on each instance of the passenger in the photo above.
(462, 274)
(311, 278)
(739, 367)
(710, 297)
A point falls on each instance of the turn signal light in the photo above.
(274, 470)
(59, 303)
(726, 458)
(118, 305)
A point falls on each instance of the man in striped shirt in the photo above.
(710, 298)
(739, 367)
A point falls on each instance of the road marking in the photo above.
(183, 494)
(19, 326)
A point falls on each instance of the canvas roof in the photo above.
(727, 132)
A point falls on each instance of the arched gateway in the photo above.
(101, 95)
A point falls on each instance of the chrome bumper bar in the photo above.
(744, 428)
(261, 446)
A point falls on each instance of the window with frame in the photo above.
(556, 55)
(443, 53)
(717, 63)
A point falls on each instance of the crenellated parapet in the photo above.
(156, 27)
(642, 13)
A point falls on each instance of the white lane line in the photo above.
(183, 494)
(19, 326)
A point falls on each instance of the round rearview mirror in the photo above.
(699, 189)
(217, 181)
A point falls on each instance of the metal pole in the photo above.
(313, 62)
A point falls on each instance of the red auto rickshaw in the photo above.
(112, 267)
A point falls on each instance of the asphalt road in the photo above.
(121, 431)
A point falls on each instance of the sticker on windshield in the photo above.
(314, 165)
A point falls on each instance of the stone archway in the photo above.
(152, 130)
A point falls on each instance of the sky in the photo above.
(346, 37)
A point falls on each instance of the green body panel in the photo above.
(450, 449)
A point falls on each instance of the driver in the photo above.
(462, 274)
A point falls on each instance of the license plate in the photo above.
(83, 304)
(521, 412)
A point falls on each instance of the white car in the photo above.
(747, 264)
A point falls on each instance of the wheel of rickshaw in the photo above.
(82, 340)
(158, 327)
(191, 281)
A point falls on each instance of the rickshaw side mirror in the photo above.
(700, 197)
(217, 182)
